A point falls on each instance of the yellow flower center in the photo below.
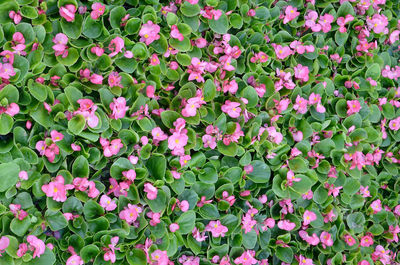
(177, 141)
(55, 190)
(146, 35)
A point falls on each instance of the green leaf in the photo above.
(261, 172)
(320, 195)
(122, 164)
(73, 56)
(92, 209)
(160, 203)
(136, 257)
(373, 71)
(20, 227)
(209, 90)
(89, 252)
(6, 124)
(76, 124)
(344, 9)
(356, 221)
(284, 254)
(92, 28)
(8, 175)
(298, 165)
(186, 222)
(236, 21)
(168, 117)
(190, 10)
(80, 167)
(219, 26)
(157, 165)
(47, 258)
(72, 29)
(228, 150)
(37, 90)
(56, 220)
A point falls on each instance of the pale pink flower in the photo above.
(378, 23)
(282, 52)
(230, 86)
(290, 14)
(149, 32)
(129, 174)
(216, 228)
(151, 191)
(116, 45)
(312, 240)
(160, 257)
(201, 43)
(68, 12)
(353, 106)
(300, 105)
(325, 22)
(75, 260)
(183, 160)
(56, 136)
(96, 79)
(158, 134)
(107, 203)
(23, 175)
(231, 108)
(36, 245)
(305, 261)
(98, 10)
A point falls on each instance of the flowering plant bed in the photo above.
(199, 132)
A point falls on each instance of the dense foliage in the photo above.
(199, 132)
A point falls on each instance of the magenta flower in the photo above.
(231, 108)
(130, 213)
(149, 32)
(290, 14)
(68, 12)
(154, 59)
(60, 46)
(151, 191)
(98, 10)
(366, 241)
(97, 50)
(12, 109)
(175, 34)
(56, 136)
(57, 190)
(107, 203)
(112, 148)
(349, 240)
(160, 257)
(216, 228)
(119, 108)
(4, 242)
(116, 45)
(304, 261)
(87, 109)
(209, 141)
(36, 245)
(15, 16)
(353, 106)
(325, 22)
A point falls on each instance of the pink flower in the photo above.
(231, 86)
(111, 148)
(130, 213)
(378, 23)
(201, 43)
(326, 239)
(75, 147)
(160, 257)
(151, 191)
(57, 190)
(290, 14)
(282, 52)
(301, 72)
(107, 203)
(376, 206)
(149, 32)
(87, 110)
(325, 22)
(193, 2)
(341, 21)
(96, 79)
(110, 251)
(247, 258)
(97, 50)
(116, 45)
(23, 175)
(175, 34)
(183, 160)
(154, 59)
(349, 240)
(114, 80)
(312, 240)
(56, 136)
(98, 10)
(286, 225)
(12, 109)
(129, 174)
(300, 105)
(395, 124)
(173, 227)
(60, 46)
(366, 241)
(184, 205)
(304, 261)
(353, 106)
(68, 12)
(216, 228)
(209, 141)
(36, 245)
(119, 108)
(177, 141)
(6, 70)
(75, 260)
(308, 217)
(16, 16)
(158, 134)
(4, 242)
(231, 108)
